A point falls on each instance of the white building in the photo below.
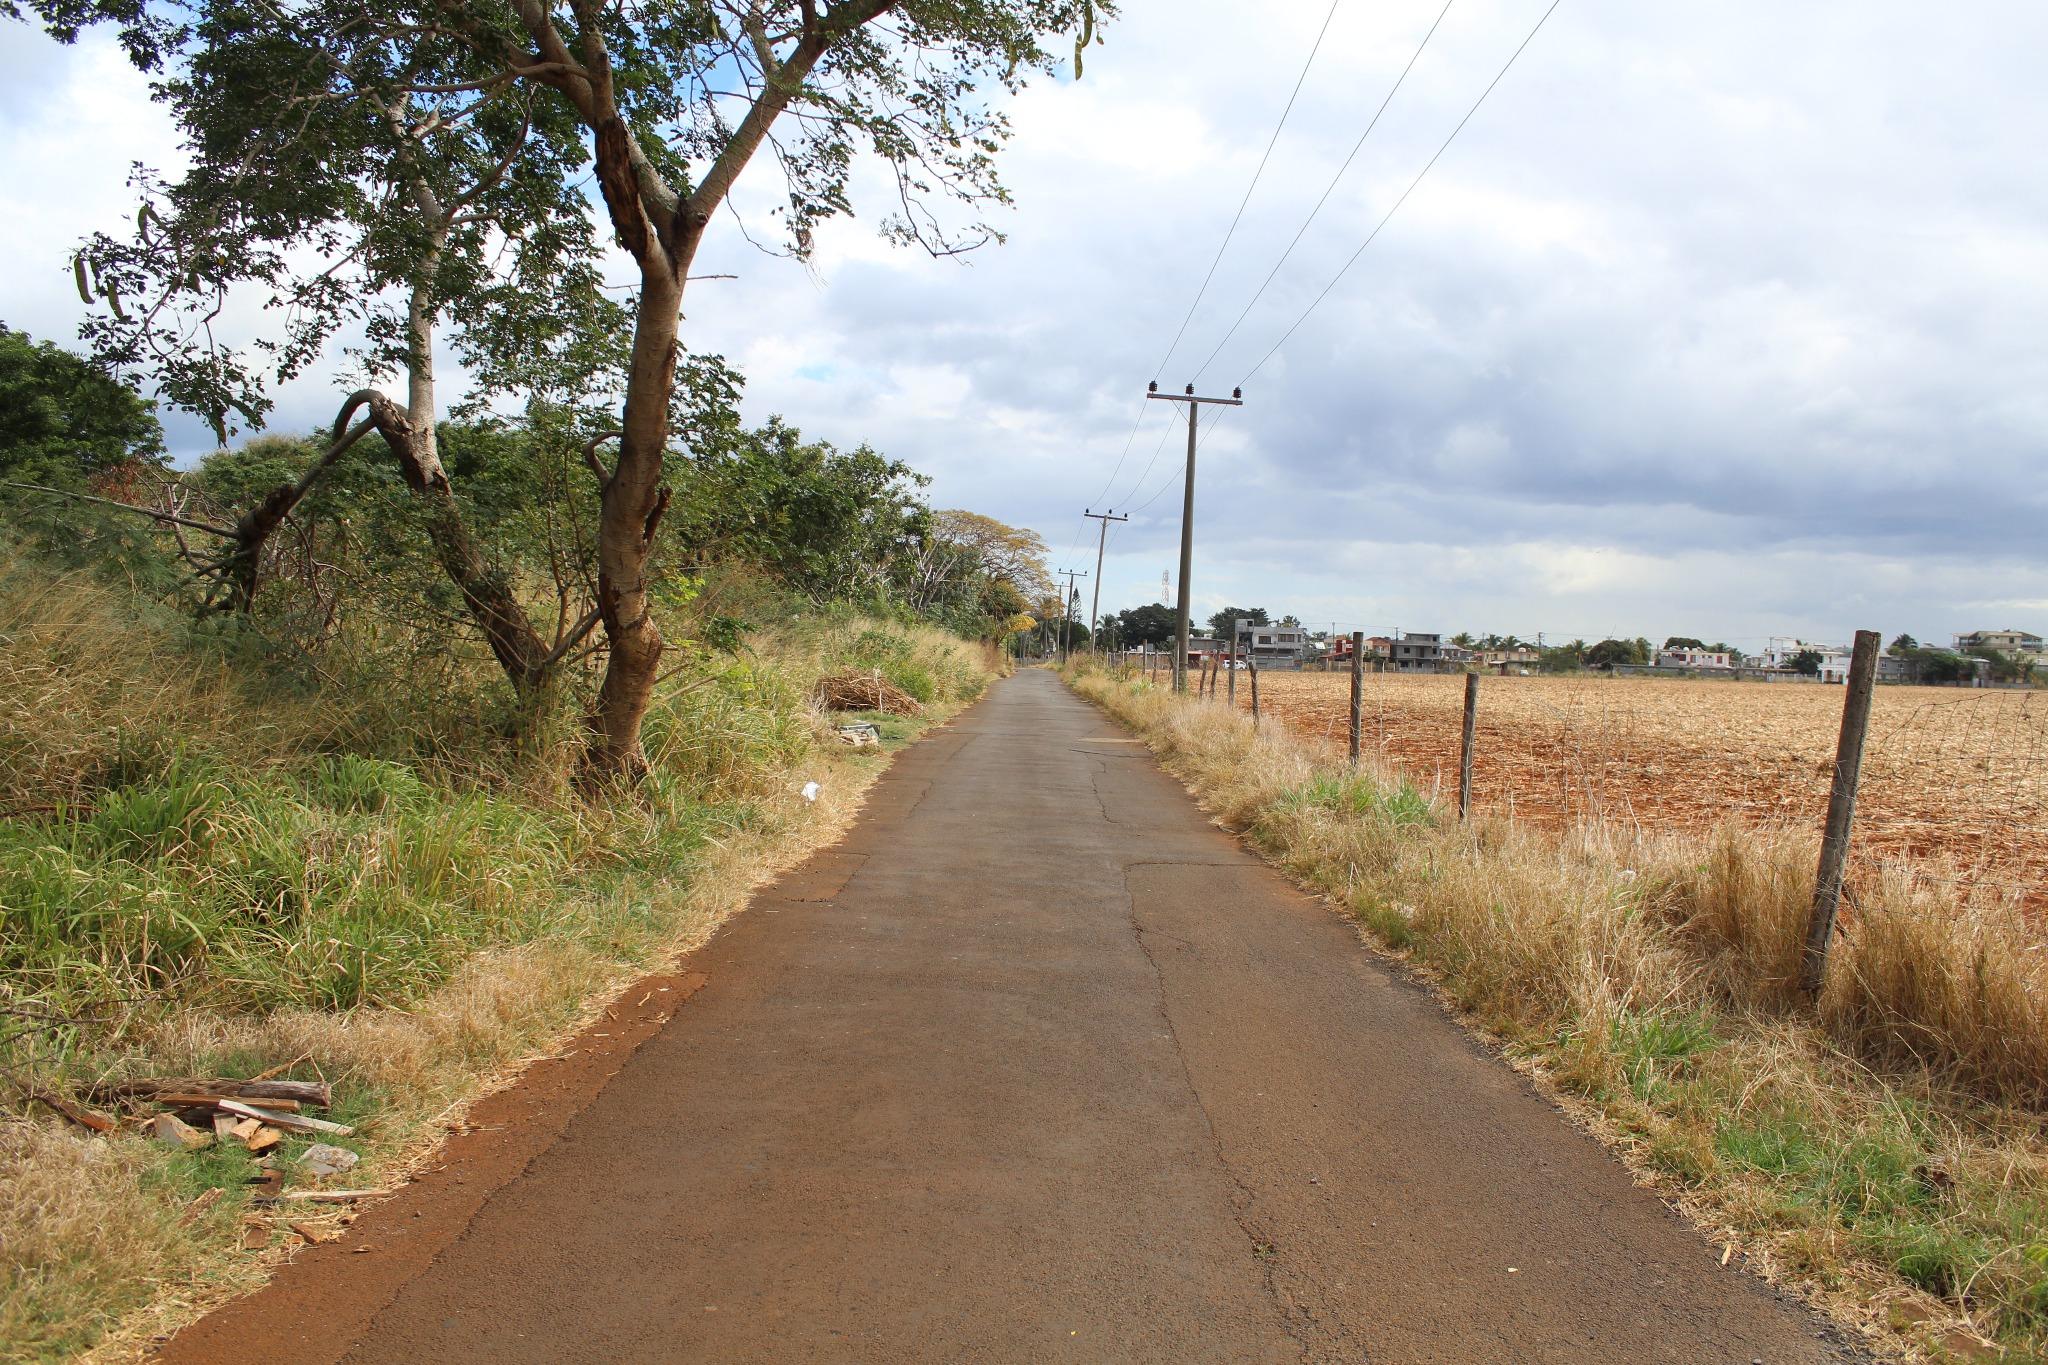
(1693, 658)
(1782, 649)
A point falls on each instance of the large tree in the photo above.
(64, 422)
(670, 102)
(1151, 624)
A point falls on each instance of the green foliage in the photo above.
(1617, 653)
(1152, 624)
(64, 422)
(828, 522)
(850, 527)
(1220, 622)
(2005, 667)
(1400, 805)
(1806, 662)
(1657, 1047)
(1566, 658)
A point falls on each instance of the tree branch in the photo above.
(604, 476)
(166, 518)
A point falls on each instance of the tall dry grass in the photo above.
(1884, 1144)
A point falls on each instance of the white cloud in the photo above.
(1716, 320)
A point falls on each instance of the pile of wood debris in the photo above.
(192, 1113)
(851, 691)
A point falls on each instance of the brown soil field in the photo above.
(1954, 781)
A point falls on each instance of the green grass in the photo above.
(1398, 805)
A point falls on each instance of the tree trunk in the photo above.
(634, 500)
(514, 643)
(663, 240)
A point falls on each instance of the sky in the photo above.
(1716, 320)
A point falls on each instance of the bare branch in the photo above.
(165, 518)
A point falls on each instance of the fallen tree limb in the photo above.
(196, 1091)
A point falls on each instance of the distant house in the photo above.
(2018, 643)
(1507, 660)
(1339, 649)
(1272, 646)
(1693, 658)
(1893, 669)
(1417, 653)
(1783, 649)
(1457, 656)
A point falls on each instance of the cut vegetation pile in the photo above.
(865, 692)
(214, 868)
(1884, 1149)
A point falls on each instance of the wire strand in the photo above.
(1139, 483)
(1201, 438)
(1123, 454)
(1238, 217)
(1328, 189)
(1317, 301)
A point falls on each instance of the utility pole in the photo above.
(1101, 543)
(1067, 612)
(1187, 517)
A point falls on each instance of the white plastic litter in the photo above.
(811, 790)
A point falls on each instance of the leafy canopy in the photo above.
(347, 152)
(64, 421)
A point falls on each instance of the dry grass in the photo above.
(1885, 1151)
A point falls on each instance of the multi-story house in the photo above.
(1417, 653)
(1267, 646)
(2021, 643)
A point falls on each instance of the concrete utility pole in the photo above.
(1101, 544)
(1187, 517)
(1067, 612)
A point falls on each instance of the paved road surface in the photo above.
(1037, 1065)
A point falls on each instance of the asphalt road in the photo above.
(1036, 1065)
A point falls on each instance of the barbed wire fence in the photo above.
(1954, 783)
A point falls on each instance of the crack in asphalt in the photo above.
(1300, 1325)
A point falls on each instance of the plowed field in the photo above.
(1953, 780)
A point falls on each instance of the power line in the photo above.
(1404, 195)
(1159, 369)
(1224, 246)
(1143, 408)
(1327, 189)
(1146, 472)
(1201, 439)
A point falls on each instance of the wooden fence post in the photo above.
(1252, 667)
(1234, 627)
(1465, 752)
(1834, 842)
(1357, 688)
